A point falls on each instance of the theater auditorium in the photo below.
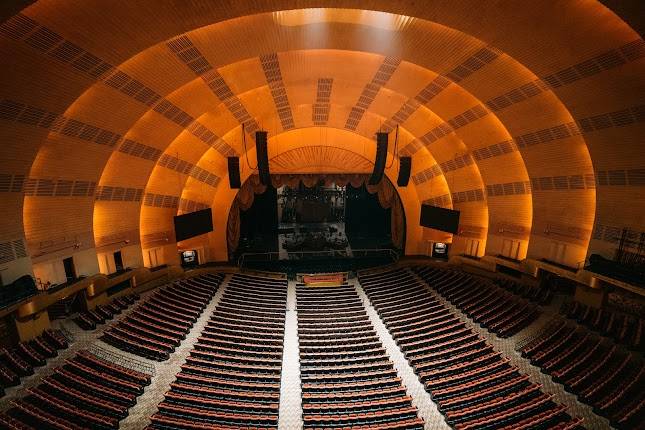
(322, 215)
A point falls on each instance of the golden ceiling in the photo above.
(525, 116)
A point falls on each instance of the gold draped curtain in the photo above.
(387, 197)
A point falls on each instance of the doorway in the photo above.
(70, 270)
(118, 261)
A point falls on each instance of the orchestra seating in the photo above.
(492, 307)
(473, 385)
(534, 293)
(231, 379)
(598, 371)
(85, 392)
(21, 360)
(347, 378)
(622, 328)
(87, 320)
(158, 325)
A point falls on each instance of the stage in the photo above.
(294, 239)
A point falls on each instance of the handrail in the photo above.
(274, 256)
(122, 360)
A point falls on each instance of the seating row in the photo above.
(473, 385)
(494, 308)
(231, 378)
(622, 328)
(85, 392)
(159, 323)
(347, 378)
(87, 320)
(598, 371)
(20, 361)
(534, 293)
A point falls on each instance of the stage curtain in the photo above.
(233, 227)
(397, 224)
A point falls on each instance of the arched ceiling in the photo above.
(525, 117)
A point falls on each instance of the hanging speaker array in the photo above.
(263, 157)
(381, 156)
(405, 166)
(234, 172)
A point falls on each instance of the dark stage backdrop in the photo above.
(367, 224)
(259, 224)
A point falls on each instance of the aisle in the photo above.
(139, 416)
(290, 415)
(420, 397)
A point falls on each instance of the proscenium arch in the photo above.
(221, 214)
(234, 128)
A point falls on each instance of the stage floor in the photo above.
(294, 230)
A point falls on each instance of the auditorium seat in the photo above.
(622, 328)
(601, 373)
(347, 378)
(231, 378)
(88, 320)
(474, 386)
(158, 324)
(500, 311)
(85, 392)
(20, 361)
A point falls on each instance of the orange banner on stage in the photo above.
(326, 280)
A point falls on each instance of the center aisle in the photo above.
(290, 416)
(347, 377)
(420, 397)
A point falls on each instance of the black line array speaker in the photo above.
(381, 157)
(234, 172)
(263, 157)
(405, 165)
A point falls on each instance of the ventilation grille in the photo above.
(187, 206)
(44, 187)
(447, 127)
(11, 183)
(475, 195)
(202, 133)
(132, 88)
(160, 200)
(426, 175)
(157, 238)
(189, 169)
(271, 68)
(508, 189)
(632, 177)
(441, 201)
(21, 27)
(495, 150)
(411, 105)
(140, 150)
(382, 76)
(473, 63)
(559, 183)
(320, 113)
(188, 54)
(118, 194)
(19, 112)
